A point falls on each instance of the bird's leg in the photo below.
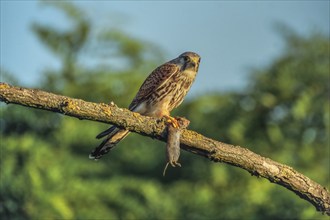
(173, 142)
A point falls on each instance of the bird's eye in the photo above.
(186, 59)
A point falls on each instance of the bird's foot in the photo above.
(172, 121)
(177, 122)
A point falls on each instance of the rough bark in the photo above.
(191, 141)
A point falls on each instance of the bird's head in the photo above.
(189, 61)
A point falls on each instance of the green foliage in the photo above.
(283, 114)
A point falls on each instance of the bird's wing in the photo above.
(155, 80)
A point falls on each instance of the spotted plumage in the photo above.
(162, 91)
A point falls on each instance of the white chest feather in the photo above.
(190, 73)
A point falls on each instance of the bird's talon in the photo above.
(172, 121)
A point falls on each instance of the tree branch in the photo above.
(191, 141)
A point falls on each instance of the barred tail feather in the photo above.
(106, 132)
(114, 136)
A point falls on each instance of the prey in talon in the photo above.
(172, 121)
(173, 142)
(162, 91)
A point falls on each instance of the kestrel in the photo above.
(162, 91)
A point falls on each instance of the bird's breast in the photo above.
(170, 94)
(191, 74)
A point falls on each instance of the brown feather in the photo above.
(157, 78)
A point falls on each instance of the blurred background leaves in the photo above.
(283, 114)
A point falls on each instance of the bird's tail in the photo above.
(114, 135)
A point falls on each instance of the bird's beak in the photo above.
(196, 63)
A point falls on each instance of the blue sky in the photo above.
(230, 36)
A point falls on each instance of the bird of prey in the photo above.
(163, 90)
